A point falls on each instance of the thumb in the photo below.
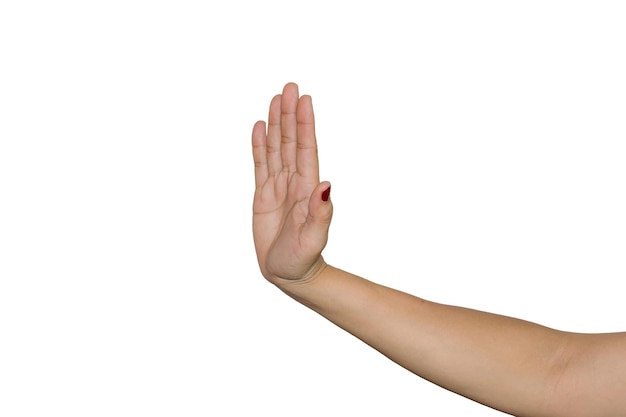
(320, 214)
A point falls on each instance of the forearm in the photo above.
(469, 352)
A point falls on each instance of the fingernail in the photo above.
(326, 194)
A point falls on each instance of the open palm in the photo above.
(291, 208)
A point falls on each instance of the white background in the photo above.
(476, 152)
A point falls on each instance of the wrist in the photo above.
(294, 286)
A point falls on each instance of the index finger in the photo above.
(306, 154)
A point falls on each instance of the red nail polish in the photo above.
(326, 194)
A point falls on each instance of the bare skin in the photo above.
(509, 364)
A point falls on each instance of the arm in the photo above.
(508, 364)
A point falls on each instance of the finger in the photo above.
(315, 230)
(289, 126)
(259, 153)
(308, 165)
(274, 162)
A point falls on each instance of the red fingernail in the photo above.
(326, 194)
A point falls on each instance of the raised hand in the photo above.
(292, 209)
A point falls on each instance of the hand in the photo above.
(292, 209)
